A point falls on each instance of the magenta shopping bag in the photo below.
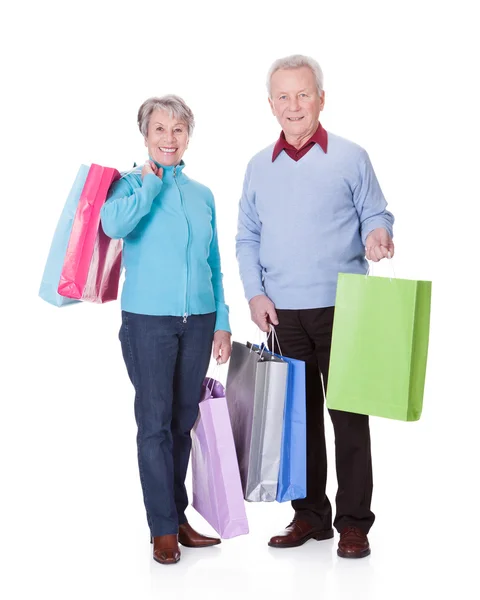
(217, 490)
(92, 263)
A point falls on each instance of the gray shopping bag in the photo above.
(256, 390)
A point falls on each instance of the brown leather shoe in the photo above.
(297, 533)
(187, 536)
(165, 549)
(353, 543)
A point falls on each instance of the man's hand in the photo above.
(151, 168)
(379, 245)
(222, 346)
(263, 312)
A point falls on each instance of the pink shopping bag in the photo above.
(217, 490)
(92, 264)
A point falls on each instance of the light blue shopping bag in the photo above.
(56, 256)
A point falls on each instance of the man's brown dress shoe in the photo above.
(165, 549)
(297, 533)
(187, 536)
(353, 543)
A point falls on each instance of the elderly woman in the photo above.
(173, 309)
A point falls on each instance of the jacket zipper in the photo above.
(185, 314)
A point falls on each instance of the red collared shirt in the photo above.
(320, 137)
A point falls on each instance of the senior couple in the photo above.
(311, 207)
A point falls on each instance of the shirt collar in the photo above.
(320, 137)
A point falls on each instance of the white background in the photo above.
(401, 79)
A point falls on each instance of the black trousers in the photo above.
(307, 335)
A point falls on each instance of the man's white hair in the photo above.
(295, 61)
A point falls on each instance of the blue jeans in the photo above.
(166, 361)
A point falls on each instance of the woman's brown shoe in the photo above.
(166, 550)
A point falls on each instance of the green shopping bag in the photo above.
(379, 346)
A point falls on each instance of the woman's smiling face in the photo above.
(167, 138)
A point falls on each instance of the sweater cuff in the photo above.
(254, 290)
(376, 224)
(152, 184)
(222, 322)
(252, 282)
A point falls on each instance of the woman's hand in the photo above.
(222, 346)
(151, 168)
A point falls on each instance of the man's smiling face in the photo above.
(295, 101)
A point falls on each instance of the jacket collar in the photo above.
(169, 173)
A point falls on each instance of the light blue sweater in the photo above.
(301, 223)
(170, 252)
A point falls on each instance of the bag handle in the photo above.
(259, 340)
(213, 377)
(390, 262)
(272, 333)
(275, 338)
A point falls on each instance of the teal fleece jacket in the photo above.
(170, 253)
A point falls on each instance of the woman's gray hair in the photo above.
(173, 105)
(295, 61)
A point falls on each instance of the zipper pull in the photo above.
(185, 318)
(174, 171)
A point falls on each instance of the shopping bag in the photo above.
(379, 346)
(292, 476)
(256, 390)
(92, 263)
(217, 490)
(53, 268)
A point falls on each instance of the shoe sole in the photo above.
(160, 562)
(318, 536)
(199, 545)
(192, 546)
(361, 554)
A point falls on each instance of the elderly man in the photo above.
(312, 207)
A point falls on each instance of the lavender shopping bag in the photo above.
(217, 490)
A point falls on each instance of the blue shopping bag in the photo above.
(56, 256)
(292, 477)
